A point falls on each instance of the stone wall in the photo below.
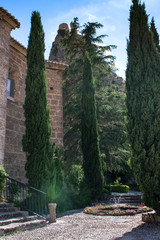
(7, 23)
(15, 158)
(13, 65)
(54, 73)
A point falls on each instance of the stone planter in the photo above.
(150, 218)
(52, 212)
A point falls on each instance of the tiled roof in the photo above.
(4, 13)
(18, 45)
(58, 63)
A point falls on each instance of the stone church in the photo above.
(13, 69)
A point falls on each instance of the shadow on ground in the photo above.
(146, 231)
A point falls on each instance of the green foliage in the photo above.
(155, 34)
(42, 157)
(111, 111)
(90, 140)
(74, 178)
(3, 175)
(143, 105)
(110, 105)
(116, 188)
(72, 111)
(53, 186)
(77, 45)
(71, 194)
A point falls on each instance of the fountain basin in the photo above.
(115, 210)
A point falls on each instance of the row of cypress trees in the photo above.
(143, 103)
(42, 167)
(143, 109)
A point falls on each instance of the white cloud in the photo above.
(91, 17)
(120, 69)
(120, 4)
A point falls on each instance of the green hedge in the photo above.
(116, 188)
(3, 175)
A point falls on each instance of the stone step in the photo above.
(124, 198)
(126, 195)
(9, 209)
(20, 226)
(130, 201)
(7, 215)
(17, 219)
(5, 205)
(129, 196)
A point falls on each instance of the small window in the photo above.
(9, 87)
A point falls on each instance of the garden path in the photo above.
(80, 226)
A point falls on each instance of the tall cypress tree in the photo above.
(155, 34)
(90, 141)
(143, 105)
(37, 138)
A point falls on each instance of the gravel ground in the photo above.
(80, 226)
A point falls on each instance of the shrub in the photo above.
(3, 175)
(74, 181)
(116, 188)
(74, 178)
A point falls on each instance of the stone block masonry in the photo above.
(15, 159)
(14, 67)
(54, 73)
(7, 23)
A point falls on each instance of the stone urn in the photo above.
(52, 212)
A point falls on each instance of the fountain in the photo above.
(116, 199)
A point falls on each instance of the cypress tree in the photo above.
(143, 105)
(90, 141)
(79, 49)
(155, 34)
(37, 138)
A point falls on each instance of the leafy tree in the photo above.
(72, 114)
(111, 110)
(37, 139)
(143, 105)
(155, 34)
(76, 46)
(90, 140)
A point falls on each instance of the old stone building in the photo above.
(13, 69)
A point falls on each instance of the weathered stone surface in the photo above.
(150, 218)
(56, 53)
(15, 115)
(54, 84)
(4, 56)
(12, 128)
(11, 219)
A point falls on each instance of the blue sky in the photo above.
(113, 14)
